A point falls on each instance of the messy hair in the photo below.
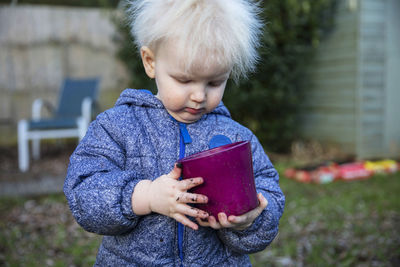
(223, 31)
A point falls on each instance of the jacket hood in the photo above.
(144, 98)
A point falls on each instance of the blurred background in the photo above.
(325, 93)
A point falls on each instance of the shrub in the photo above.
(270, 99)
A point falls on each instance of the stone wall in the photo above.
(41, 45)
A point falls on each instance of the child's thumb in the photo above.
(176, 171)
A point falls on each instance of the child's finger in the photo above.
(191, 211)
(203, 222)
(261, 206)
(192, 198)
(223, 220)
(213, 223)
(175, 173)
(185, 221)
(236, 219)
(250, 216)
(263, 201)
(241, 222)
(187, 184)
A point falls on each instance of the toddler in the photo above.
(122, 180)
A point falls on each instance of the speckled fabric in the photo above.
(135, 140)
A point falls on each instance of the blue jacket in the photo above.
(137, 139)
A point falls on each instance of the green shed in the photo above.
(353, 99)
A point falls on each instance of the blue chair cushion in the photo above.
(72, 95)
(54, 123)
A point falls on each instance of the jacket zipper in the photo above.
(184, 138)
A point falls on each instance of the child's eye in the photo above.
(216, 83)
(182, 80)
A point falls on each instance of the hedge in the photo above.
(269, 100)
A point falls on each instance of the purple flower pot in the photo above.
(228, 178)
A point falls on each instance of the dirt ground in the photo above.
(55, 157)
(47, 174)
(53, 162)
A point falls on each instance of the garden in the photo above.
(337, 222)
(342, 223)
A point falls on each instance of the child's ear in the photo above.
(148, 61)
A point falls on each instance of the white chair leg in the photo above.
(82, 127)
(23, 149)
(36, 148)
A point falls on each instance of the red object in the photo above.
(352, 171)
(303, 176)
(290, 173)
(329, 172)
(326, 174)
(228, 178)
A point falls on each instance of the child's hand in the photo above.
(235, 222)
(168, 196)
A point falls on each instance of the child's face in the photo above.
(187, 95)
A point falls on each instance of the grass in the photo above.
(40, 231)
(339, 224)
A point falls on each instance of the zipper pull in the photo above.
(185, 134)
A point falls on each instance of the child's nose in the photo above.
(199, 93)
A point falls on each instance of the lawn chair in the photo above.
(70, 119)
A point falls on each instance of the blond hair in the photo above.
(223, 31)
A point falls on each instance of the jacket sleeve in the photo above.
(97, 187)
(264, 229)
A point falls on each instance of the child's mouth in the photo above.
(193, 111)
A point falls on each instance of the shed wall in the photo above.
(372, 65)
(354, 95)
(392, 107)
(329, 109)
